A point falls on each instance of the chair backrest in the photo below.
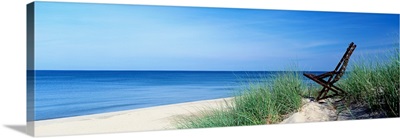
(341, 67)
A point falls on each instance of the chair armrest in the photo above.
(326, 74)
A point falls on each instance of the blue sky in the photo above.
(76, 36)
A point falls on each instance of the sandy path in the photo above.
(146, 119)
(329, 111)
(312, 112)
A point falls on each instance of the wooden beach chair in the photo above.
(332, 76)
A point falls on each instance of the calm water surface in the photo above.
(73, 93)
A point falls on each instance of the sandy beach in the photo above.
(145, 119)
(163, 117)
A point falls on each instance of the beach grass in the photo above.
(257, 104)
(375, 83)
(372, 82)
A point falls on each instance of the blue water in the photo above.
(73, 93)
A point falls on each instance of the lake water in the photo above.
(73, 93)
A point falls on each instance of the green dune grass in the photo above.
(257, 104)
(374, 83)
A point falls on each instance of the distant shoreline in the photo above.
(128, 110)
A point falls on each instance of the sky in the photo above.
(79, 36)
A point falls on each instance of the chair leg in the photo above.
(326, 92)
(341, 90)
(326, 88)
(335, 89)
(322, 92)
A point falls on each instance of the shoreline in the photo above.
(143, 119)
